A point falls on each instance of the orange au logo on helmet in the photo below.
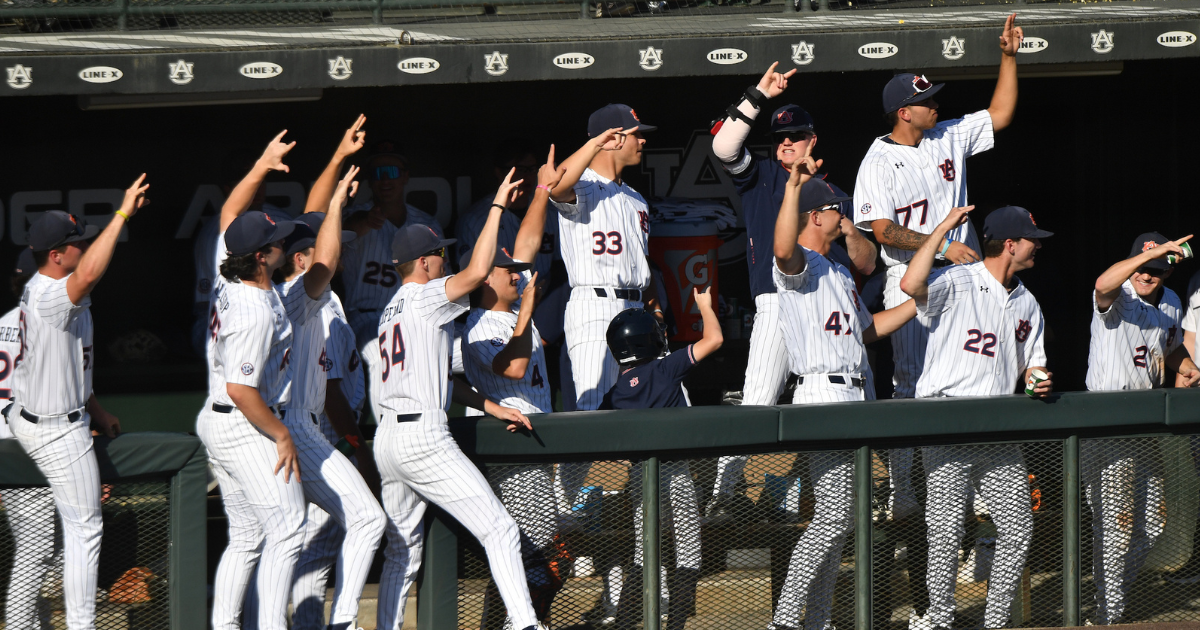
(784, 118)
(269, 219)
(634, 114)
(1149, 245)
(1031, 219)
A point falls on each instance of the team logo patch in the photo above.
(498, 342)
(635, 116)
(784, 118)
(495, 63)
(633, 382)
(1023, 330)
(865, 209)
(1031, 218)
(1149, 245)
(1102, 42)
(19, 77)
(802, 53)
(651, 58)
(205, 285)
(954, 48)
(247, 369)
(947, 169)
(180, 72)
(268, 217)
(340, 68)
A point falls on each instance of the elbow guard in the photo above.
(756, 99)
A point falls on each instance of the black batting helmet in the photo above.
(635, 335)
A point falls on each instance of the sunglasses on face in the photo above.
(794, 136)
(387, 172)
(1156, 273)
(439, 252)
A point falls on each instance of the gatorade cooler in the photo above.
(687, 255)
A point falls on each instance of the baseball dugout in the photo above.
(152, 557)
(1019, 488)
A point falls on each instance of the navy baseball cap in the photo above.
(26, 266)
(388, 148)
(791, 118)
(254, 230)
(906, 89)
(416, 240)
(615, 116)
(305, 234)
(502, 259)
(55, 228)
(1011, 222)
(818, 193)
(1150, 240)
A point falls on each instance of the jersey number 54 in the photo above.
(396, 356)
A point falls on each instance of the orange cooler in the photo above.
(686, 253)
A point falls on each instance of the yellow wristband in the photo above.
(123, 216)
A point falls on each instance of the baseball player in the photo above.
(251, 451)
(504, 359)
(369, 279)
(760, 183)
(418, 459)
(985, 339)
(1133, 342)
(911, 178)
(29, 511)
(650, 380)
(825, 326)
(53, 406)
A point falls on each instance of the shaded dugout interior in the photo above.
(1097, 159)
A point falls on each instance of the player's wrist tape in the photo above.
(945, 247)
(544, 187)
(347, 445)
(496, 205)
(123, 215)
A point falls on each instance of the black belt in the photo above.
(408, 417)
(71, 417)
(219, 408)
(633, 295)
(840, 380)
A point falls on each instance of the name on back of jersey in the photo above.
(393, 310)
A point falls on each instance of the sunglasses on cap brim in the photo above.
(387, 172)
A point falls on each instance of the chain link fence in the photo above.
(962, 536)
(133, 576)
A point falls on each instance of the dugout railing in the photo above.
(1135, 448)
(152, 560)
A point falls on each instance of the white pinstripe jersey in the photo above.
(54, 373)
(982, 337)
(250, 339)
(10, 349)
(916, 187)
(309, 364)
(1191, 314)
(342, 355)
(487, 334)
(1131, 340)
(415, 334)
(604, 235)
(368, 276)
(822, 317)
(471, 224)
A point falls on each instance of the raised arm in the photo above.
(95, 260)
(242, 195)
(712, 339)
(328, 247)
(788, 256)
(574, 166)
(533, 226)
(484, 253)
(862, 251)
(513, 361)
(727, 145)
(1108, 285)
(888, 233)
(916, 278)
(322, 190)
(887, 322)
(1004, 99)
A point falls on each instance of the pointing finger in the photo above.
(550, 157)
(279, 138)
(789, 73)
(1183, 240)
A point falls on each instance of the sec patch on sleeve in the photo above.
(247, 369)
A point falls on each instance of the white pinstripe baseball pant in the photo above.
(998, 471)
(1116, 480)
(420, 463)
(683, 516)
(813, 569)
(266, 520)
(30, 513)
(63, 452)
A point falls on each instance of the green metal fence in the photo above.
(152, 563)
(1118, 464)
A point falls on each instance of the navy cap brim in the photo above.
(646, 128)
(89, 232)
(791, 128)
(282, 229)
(446, 242)
(918, 97)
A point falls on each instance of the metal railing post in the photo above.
(862, 536)
(1071, 533)
(123, 16)
(650, 547)
(584, 13)
(437, 606)
(377, 12)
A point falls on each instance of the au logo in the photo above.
(19, 77)
(180, 72)
(339, 69)
(802, 53)
(1102, 42)
(495, 63)
(954, 48)
(651, 58)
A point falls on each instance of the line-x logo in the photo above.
(802, 53)
(1176, 39)
(878, 50)
(954, 48)
(19, 77)
(727, 56)
(574, 60)
(1033, 45)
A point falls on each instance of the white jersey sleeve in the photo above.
(972, 133)
(432, 304)
(247, 345)
(1191, 310)
(944, 286)
(300, 306)
(55, 306)
(873, 192)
